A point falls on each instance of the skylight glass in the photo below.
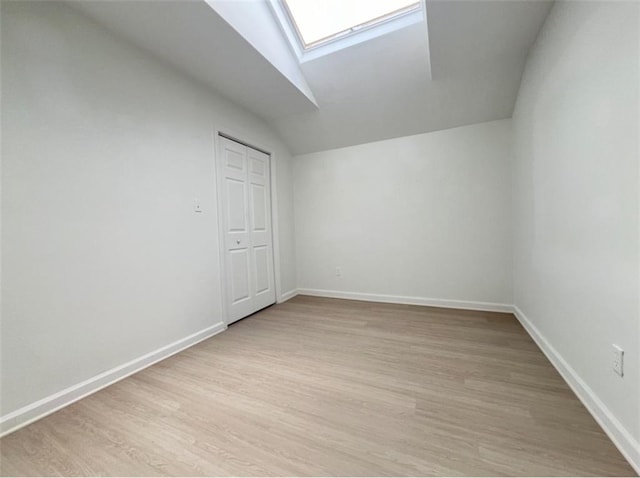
(319, 21)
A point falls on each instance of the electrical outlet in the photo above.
(618, 360)
(338, 272)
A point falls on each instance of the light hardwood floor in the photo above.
(332, 387)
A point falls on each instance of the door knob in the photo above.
(238, 241)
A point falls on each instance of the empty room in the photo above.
(320, 238)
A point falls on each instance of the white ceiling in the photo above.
(462, 66)
(381, 89)
(192, 36)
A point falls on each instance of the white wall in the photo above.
(576, 197)
(104, 150)
(422, 217)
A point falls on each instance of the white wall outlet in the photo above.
(618, 360)
(196, 205)
(338, 271)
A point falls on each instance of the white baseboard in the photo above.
(287, 295)
(397, 299)
(48, 405)
(628, 446)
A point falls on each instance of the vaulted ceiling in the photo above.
(460, 65)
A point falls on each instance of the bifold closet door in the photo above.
(246, 219)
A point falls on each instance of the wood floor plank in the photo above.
(328, 387)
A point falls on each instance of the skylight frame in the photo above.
(398, 22)
(416, 7)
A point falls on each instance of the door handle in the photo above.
(238, 241)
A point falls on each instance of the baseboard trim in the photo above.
(397, 299)
(287, 295)
(620, 437)
(48, 405)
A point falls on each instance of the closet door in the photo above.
(246, 221)
(260, 229)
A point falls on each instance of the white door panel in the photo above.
(260, 256)
(259, 205)
(246, 211)
(258, 165)
(240, 285)
(236, 210)
(235, 159)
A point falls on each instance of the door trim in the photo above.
(233, 136)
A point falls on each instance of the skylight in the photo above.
(320, 21)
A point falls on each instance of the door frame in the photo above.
(246, 140)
